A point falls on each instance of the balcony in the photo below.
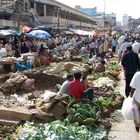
(64, 22)
(6, 23)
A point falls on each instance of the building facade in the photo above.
(30, 12)
(103, 20)
(125, 20)
(60, 15)
(15, 14)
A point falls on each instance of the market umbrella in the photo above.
(39, 34)
(26, 28)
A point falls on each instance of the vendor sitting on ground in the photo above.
(65, 85)
(77, 89)
(100, 67)
(87, 84)
(45, 56)
(9, 50)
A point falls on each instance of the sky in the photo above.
(120, 7)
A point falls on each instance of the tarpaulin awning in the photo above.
(138, 26)
(81, 32)
(9, 32)
(68, 32)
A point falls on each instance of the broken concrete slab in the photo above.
(5, 122)
(15, 114)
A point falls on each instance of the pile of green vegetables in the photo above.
(60, 130)
(103, 101)
(84, 111)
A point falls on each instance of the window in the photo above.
(32, 4)
(40, 9)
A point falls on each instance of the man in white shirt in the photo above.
(123, 48)
(121, 40)
(83, 50)
(65, 85)
(136, 46)
(135, 86)
(135, 92)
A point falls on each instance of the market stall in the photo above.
(8, 64)
(45, 106)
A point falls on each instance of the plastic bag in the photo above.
(48, 94)
(130, 110)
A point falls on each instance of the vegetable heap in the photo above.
(103, 81)
(104, 91)
(84, 111)
(103, 101)
(113, 67)
(60, 130)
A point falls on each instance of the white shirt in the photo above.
(121, 40)
(110, 38)
(92, 45)
(83, 50)
(123, 47)
(136, 47)
(135, 83)
(64, 87)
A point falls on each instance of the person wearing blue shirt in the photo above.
(114, 44)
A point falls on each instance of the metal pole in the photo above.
(80, 23)
(104, 12)
(58, 19)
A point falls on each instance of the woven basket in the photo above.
(73, 118)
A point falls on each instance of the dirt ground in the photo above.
(43, 81)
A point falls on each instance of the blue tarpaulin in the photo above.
(39, 34)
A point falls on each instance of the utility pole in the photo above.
(80, 23)
(104, 13)
(58, 19)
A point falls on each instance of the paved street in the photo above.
(125, 129)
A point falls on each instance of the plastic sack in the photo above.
(48, 94)
(19, 99)
(130, 110)
(31, 59)
(3, 52)
(28, 84)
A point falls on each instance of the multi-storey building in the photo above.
(56, 13)
(103, 20)
(125, 20)
(46, 11)
(15, 13)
